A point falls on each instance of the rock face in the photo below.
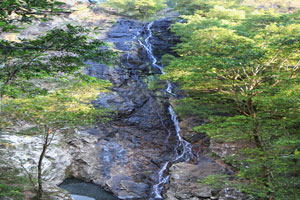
(131, 149)
(134, 146)
(233, 194)
(187, 132)
(25, 151)
(184, 183)
(184, 180)
(163, 39)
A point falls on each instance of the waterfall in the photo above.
(183, 149)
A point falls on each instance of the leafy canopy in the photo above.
(67, 107)
(58, 51)
(27, 65)
(240, 69)
(14, 12)
(61, 50)
(138, 8)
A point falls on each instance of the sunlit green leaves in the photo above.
(239, 68)
(60, 50)
(13, 11)
(138, 8)
(70, 106)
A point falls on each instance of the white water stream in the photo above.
(183, 149)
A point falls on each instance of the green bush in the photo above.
(137, 8)
(14, 192)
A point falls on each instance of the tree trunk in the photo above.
(45, 146)
(256, 135)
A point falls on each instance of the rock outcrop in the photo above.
(24, 152)
(163, 39)
(133, 146)
(184, 182)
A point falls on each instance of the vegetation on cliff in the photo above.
(41, 83)
(137, 8)
(239, 66)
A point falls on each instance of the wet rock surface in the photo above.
(131, 148)
(187, 129)
(163, 39)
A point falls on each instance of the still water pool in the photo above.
(85, 191)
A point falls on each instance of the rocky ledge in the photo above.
(185, 185)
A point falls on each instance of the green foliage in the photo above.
(155, 84)
(60, 50)
(138, 8)
(201, 6)
(65, 107)
(27, 65)
(61, 110)
(10, 191)
(13, 11)
(216, 181)
(240, 69)
(12, 184)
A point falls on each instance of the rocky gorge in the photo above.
(126, 155)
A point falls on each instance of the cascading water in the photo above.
(183, 149)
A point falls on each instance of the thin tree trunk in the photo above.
(256, 135)
(45, 146)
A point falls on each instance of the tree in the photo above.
(12, 13)
(241, 71)
(201, 6)
(138, 8)
(60, 50)
(59, 111)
